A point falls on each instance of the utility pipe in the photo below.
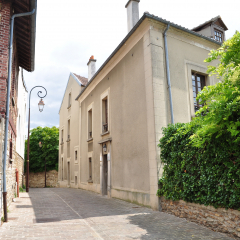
(7, 108)
(168, 72)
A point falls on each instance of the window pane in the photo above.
(199, 84)
(193, 83)
(193, 77)
(194, 94)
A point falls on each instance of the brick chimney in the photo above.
(91, 67)
(132, 13)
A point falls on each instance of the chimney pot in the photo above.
(132, 13)
(91, 67)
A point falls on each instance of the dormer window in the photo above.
(218, 35)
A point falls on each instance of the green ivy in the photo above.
(208, 175)
(202, 158)
(49, 151)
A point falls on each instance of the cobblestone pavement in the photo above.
(64, 213)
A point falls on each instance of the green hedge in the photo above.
(209, 175)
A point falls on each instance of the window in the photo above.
(75, 155)
(90, 168)
(69, 100)
(10, 152)
(218, 35)
(90, 133)
(105, 114)
(62, 135)
(69, 129)
(198, 83)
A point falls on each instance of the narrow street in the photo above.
(58, 213)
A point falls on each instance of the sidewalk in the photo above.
(64, 213)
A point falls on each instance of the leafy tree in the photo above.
(221, 112)
(49, 151)
(202, 158)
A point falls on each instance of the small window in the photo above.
(75, 155)
(90, 168)
(218, 35)
(62, 136)
(198, 83)
(69, 100)
(105, 114)
(69, 129)
(10, 152)
(90, 133)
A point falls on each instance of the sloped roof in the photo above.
(217, 20)
(81, 79)
(150, 16)
(25, 33)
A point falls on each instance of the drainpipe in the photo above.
(7, 109)
(168, 72)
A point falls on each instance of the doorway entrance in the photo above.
(105, 175)
(62, 169)
(68, 173)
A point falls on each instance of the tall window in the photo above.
(218, 35)
(90, 134)
(105, 114)
(198, 83)
(62, 135)
(75, 155)
(69, 100)
(10, 152)
(68, 129)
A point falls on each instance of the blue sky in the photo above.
(69, 32)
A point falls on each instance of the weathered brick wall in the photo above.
(221, 220)
(37, 180)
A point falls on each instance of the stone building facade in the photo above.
(109, 135)
(23, 57)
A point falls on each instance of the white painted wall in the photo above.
(21, 119)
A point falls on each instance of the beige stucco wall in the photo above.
(127, 116)
(136, 85)
(65, 114)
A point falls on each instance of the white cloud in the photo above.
(68, 33)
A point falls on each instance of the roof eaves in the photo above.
(145, 15)
(33, 33)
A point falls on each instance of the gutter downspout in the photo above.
(7, 109)
(168, 72)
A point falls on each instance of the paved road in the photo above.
(64, 213)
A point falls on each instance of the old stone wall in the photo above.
(37, 180)
(220, 219)
(19, 165)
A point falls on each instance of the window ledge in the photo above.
(68, 140)
(90, 181)
(61, 143)
(69, 107)
(105, 133)
(90, 139)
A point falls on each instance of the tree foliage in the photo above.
(202, 158)
(221, 110)
(49, 151)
